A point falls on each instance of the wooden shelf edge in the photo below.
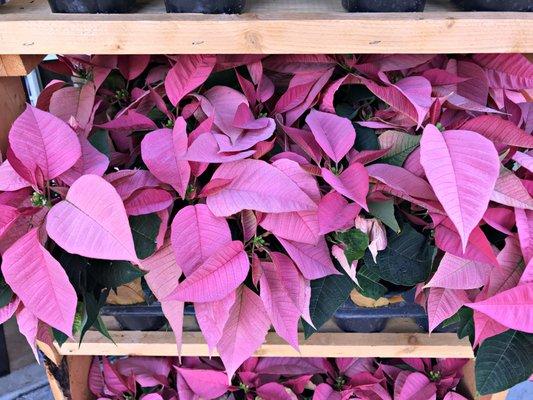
(439, 345)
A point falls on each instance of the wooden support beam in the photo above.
(18, 65)
(78, 370)
(12, 103)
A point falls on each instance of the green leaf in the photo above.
(59, 336)
(407, 259)
(366, 139)
(145, 229)
(100, 140)
(355, 244)
(112, 274)
(384, 211)
(100, 327)
(401, 145)
(327, 295)
(6, 294)
(503, 361)
(466, 323)
(369, 284)
(345, 110)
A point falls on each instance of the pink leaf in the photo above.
(507, 275)
(9, 309)
(74, 102)
(128, 181)
(205, 384)
(352, 183)
(279, 306)
(28, 325)
(478, 248)
(413, 386)
(462, 167)
(500, 218)
(249, 224)
(499, 130)
(162, 278)
(336, 135)
(457, 273)
(189, 72)
(301, 226)
(326, 392)
(217, 277)
(41, 141)
(245, 330)
(507, 71)
(196, 235)
(401, 179)
(10, 180)
(335, 214)
(512, 308)
(91, 162)
(525, 160)
(148, 371)
(133, 66)
(40, 282)
(256, 185)
(147, 201)
(8, 216)
(510, 191)
(274, 390)
(92, 222)
(524, 225)
(96, 379)
(163, 151)
(313, 261)
(205, 148)
(485, 327)
(443, 303)
(114, 382)
(212, 318)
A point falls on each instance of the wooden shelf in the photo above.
(267, 27)
(319, 345)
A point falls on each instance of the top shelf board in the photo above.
(266, 27)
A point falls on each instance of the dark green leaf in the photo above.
(466, 323)
(6, 294)
(100, 140)
(355, 244)
(59, 336)
(112, 274)
(100, 327)
(366, 139)
(327, 295)
(145, 229)
(368, 280)
(503, 361)
(407, 259)
(345, 110)
(384, 211)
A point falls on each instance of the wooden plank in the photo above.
(12, 103)
(319, 345)
(78, 371)
(17, 65)
(268, 27)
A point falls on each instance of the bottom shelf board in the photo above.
(438, 345)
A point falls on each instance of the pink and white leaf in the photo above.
(457, 273)
(353, 183)
(189, 72)
(443, 303)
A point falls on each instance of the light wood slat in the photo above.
(12, 103)
(319, 345)
(15, 65)
(282, 26)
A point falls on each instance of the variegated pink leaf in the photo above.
(217, 277)
(92, 222)
(40, 282)
(510, 191)
(524, 225)
(163, 151)
(147, 201)
(212, 318)
(196, 235)
(462, 167)
(499, 130)
(28, 325)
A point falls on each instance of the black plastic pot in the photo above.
(384, 5)
(352, 318)
(205, 6)
(137, 317)
(496, 5)
(92, 6)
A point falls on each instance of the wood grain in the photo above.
(12, 103)
(319, 345)
(268, 27)
(16, 65)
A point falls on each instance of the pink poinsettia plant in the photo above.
(164, 378)
(263, 190)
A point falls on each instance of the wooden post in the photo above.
(12, 103)
(78, 371)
